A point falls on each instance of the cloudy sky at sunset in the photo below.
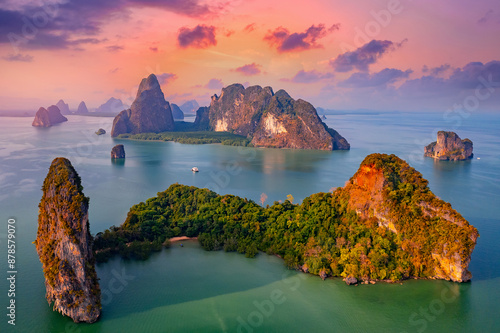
(384, 55)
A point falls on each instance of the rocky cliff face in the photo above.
(271, 120)
(64, 107)
(202, 120)
(48, 117)
(82, 108)
(149, 113)
(388, 191)
(117, 152)
(64, 245)
(176, 112)
(449, 146)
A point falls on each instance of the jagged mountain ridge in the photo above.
(270, 119)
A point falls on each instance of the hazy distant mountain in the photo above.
(113, 105)
(63, 107)
(82, 108)
(190, 107)
(176, 112)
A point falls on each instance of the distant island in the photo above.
(48, 117)
(64, 107)
(82, 109)
(266, 119)
(111, 106)
(64, 245)
(449, 146)
(384, 224)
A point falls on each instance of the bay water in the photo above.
(186, 289)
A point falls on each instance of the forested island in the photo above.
(193, 138)
(245, 116)
(385, 224)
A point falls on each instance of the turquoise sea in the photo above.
(186, 289)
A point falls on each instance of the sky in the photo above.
(404, 55)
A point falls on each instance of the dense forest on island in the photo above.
(324, 235)
(192, 137)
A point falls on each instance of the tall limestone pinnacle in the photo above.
(150, 112)
(64, 245)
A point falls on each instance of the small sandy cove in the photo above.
(181, 238)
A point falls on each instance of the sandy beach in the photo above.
(181, 238)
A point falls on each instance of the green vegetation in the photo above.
(322, 235)
(195, 137)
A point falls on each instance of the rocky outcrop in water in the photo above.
(82, 108)
(63, 107)
(48, 117)
(350, 280)
(271, 120)
(449, 146)
(387, 191)
(118, 152)
(64, 245)
(149, 113)
(177, 112)
(100, 131)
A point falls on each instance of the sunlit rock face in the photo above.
(387, 190)
(449, 146)
(271, 119)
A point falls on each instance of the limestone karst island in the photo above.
(264, 118)
(64, 245)
(449, 147)
(178, 166)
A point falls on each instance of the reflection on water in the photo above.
(118, 162)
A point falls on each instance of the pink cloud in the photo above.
(249, 70)
(290, 42)
(201, 37)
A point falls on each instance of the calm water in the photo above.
(189, 290)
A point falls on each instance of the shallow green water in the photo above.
(189, 290)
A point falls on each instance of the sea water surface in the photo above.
(186, 289)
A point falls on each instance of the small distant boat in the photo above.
(479, 158)
(195, 169)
